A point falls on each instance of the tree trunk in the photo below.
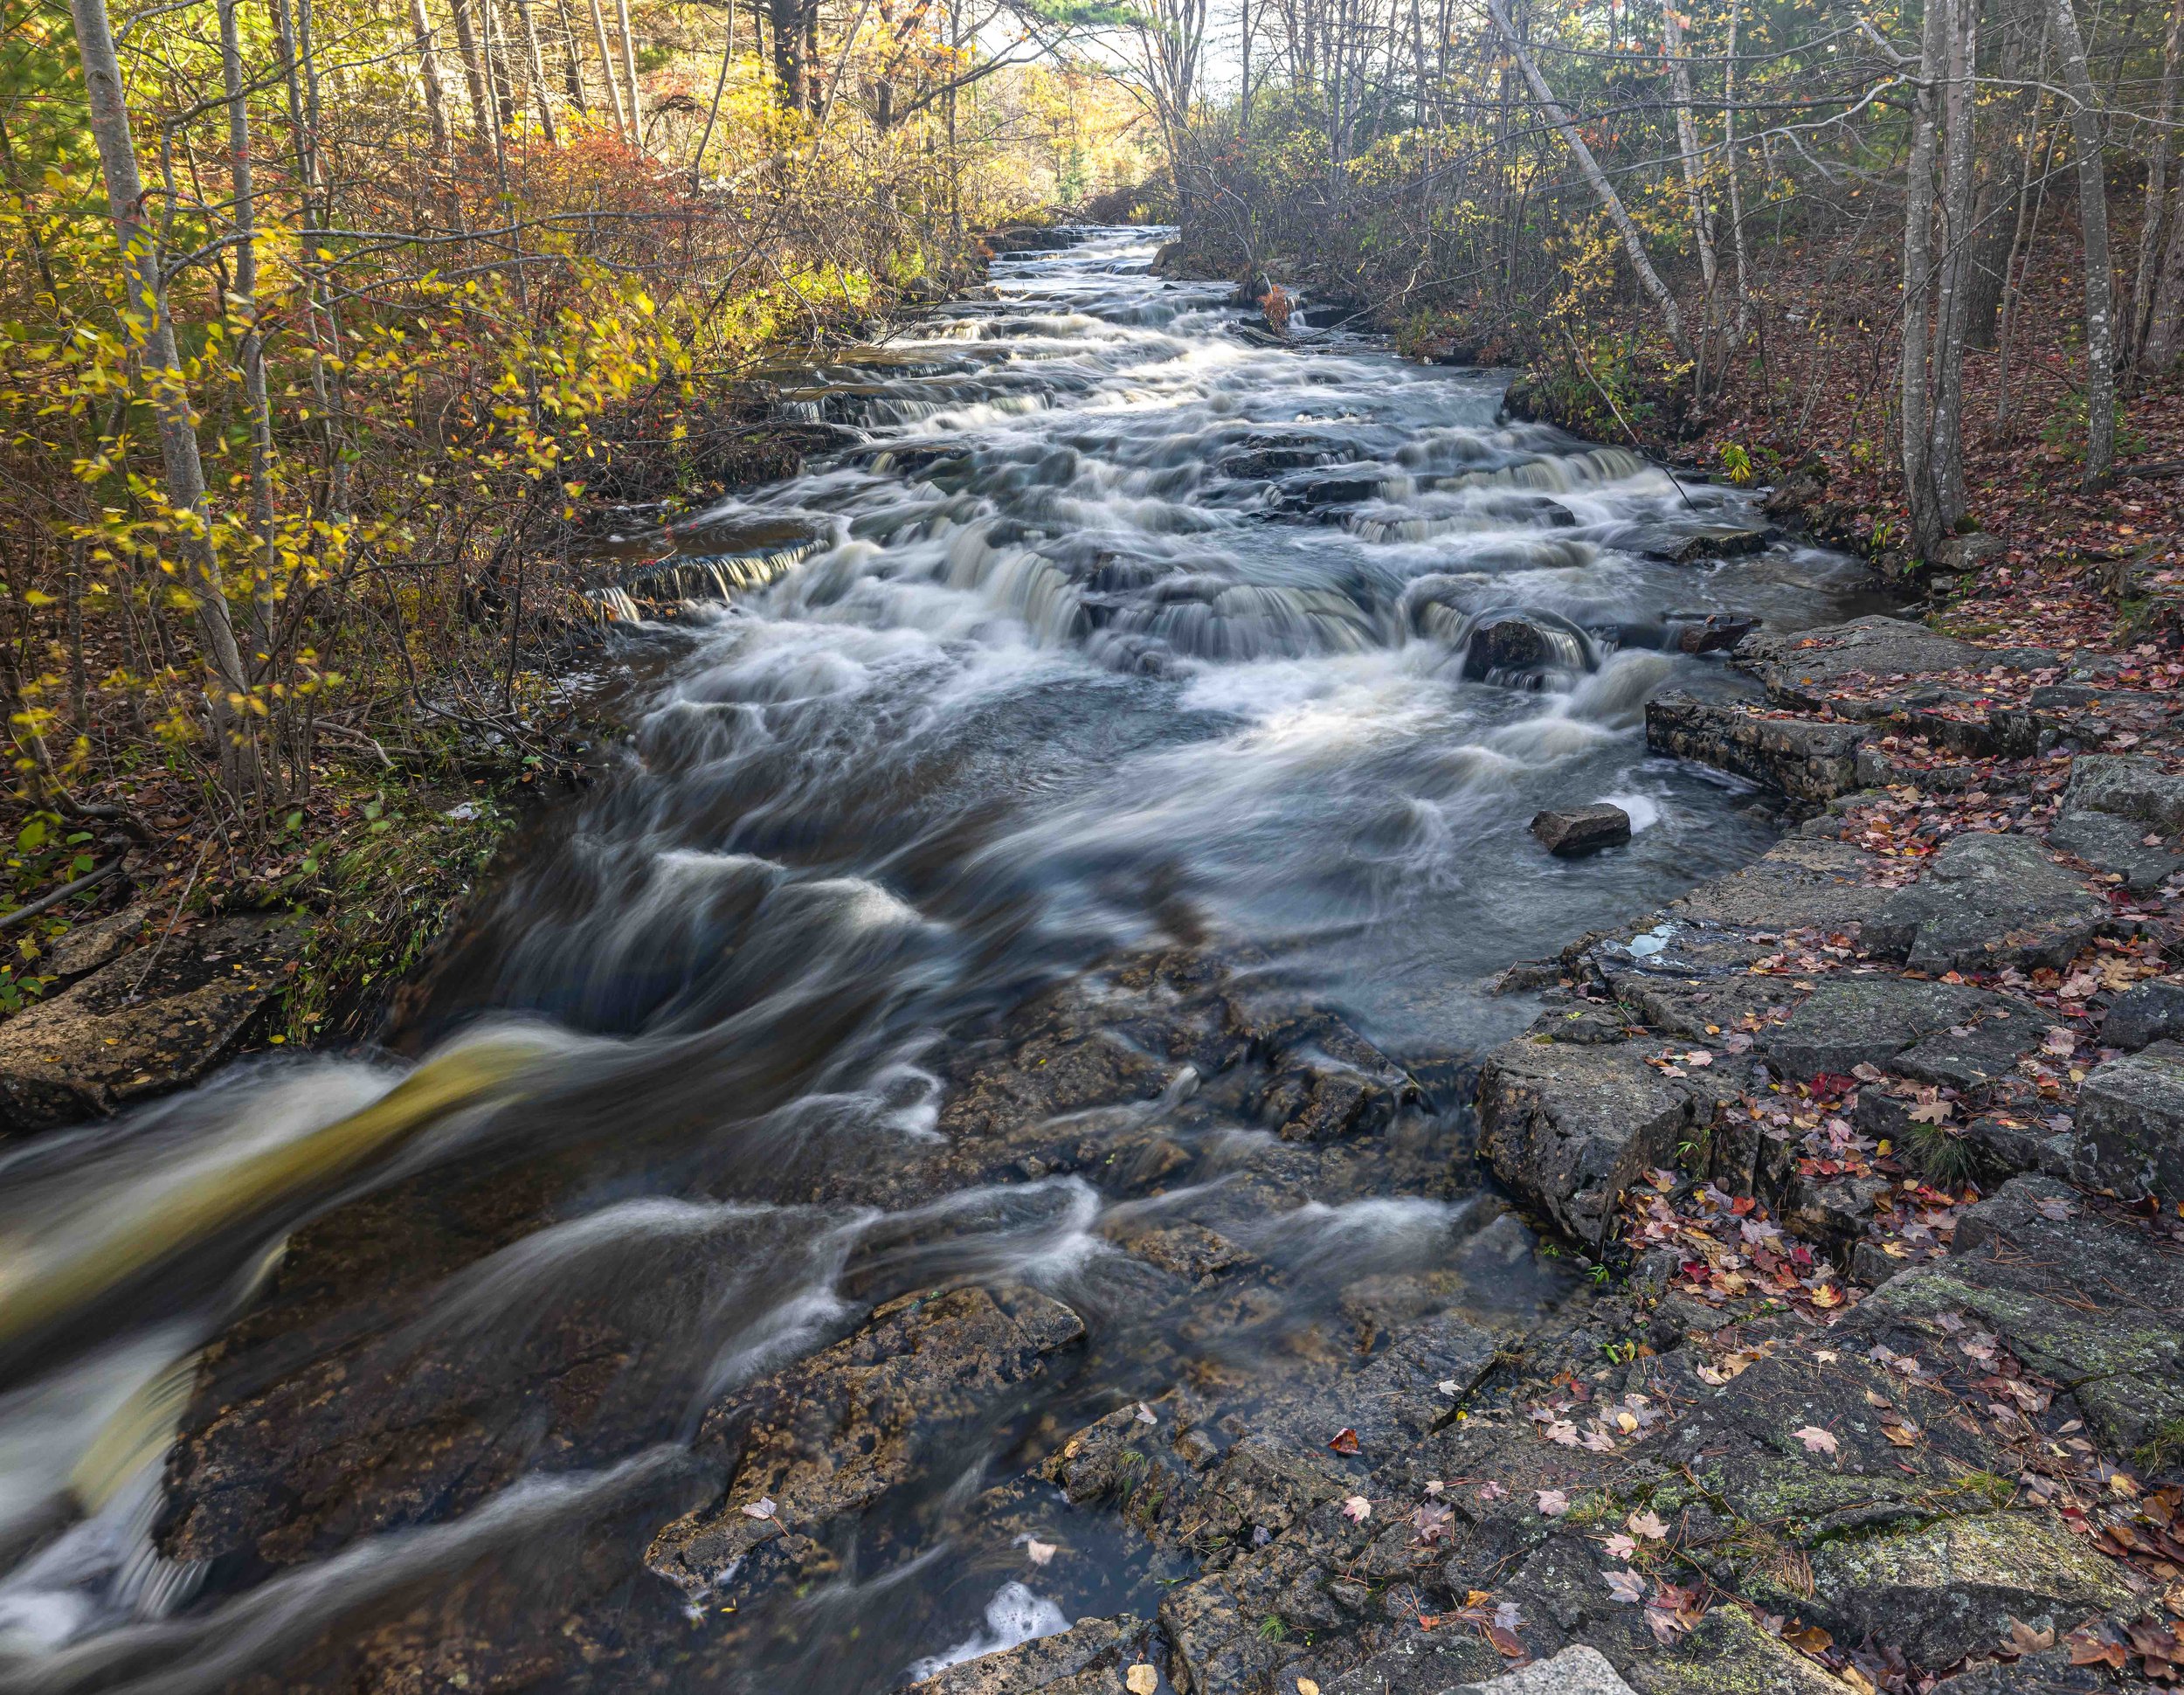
(606, 65)
(428, 72)
(1914, 399)
(1958, 110)
(2160, 203)
(713, 111)
(249, 347)
(1687, 142)
(629, 68)
(572, 61)
(494, 32)
(1737, 243)
(473, 67)
(1634, 244)
(170, 397)
(2100, 286)
(540, 91)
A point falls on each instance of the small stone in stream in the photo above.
(1708, 632)
(2128, 785)
(1586, 830)
(2117, 845)
(1850, 1022)
(2129, 1121)
(1987, 901)
(2146, 1013)
(1570, 1128)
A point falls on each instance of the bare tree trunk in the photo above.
(428, 74)
(473, 67)
(1914, 398)
(2100, 285)
(224, 687)
(629, 68)
(495, 32)
(1959, 106)
(1687, 141)
(713, 111)
(541, 90)
(606, 65)
(2159, 203)
(1998, 212)
(1634, 244)
(1738, 245)
(572, 61)
(250, 348)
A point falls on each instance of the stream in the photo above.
(1071, 867)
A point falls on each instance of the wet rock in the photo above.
(1987, 901)
(1803, 880)
(1515, 645)
(2146, 1013)
(1435, 1662)
(2129, 1122)
(831, 1434)
(1583, 830)
(2084, 1301)
(1692, 546)
(1806, 759)
(1319, 494)
(1708, 632)
(2115, 845)
(95, 943)
(144, 1023)
(1948, 1588)
(1569, 1128)
(1804, 669)
(2127, 786)
(1092, 1657)
(1849, 1022)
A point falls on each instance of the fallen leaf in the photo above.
(2059, 1042)
(1933, 1112)
(1816, 1440)
(1505, 1642)
(2023, 1639)
(1141, 1679)
(2054, 1206)
(1492, 1491)
(1553, 1502)
(1357, 1508)
(761, 1508)
(1626, 1585)
(1902, 1436)
(1345, 1441)
(1809, 1639)
(1146, 1415)
(1306, 1686)
(1448, 1386)
(1040, 1552)
(1621, 1547)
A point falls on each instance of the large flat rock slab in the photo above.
(1985, 901)
(1807, 759)
(2127, 786)
(1810, 666)
(1849, 1022)
(2089, 1302)
(144, 1022)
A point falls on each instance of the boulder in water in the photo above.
(1583, 830)
(1526, 648)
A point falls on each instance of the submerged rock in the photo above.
(829, 1435)
(1986, 901)
(1585, 830)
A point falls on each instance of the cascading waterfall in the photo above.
(1103, 636)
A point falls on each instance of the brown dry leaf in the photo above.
(1902, 1436)
(1345, 1441)
(2023, 1639)
(1809, 1639)
(1816, 1440)
(1141, 1679)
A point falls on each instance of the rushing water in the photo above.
(1113, 630)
